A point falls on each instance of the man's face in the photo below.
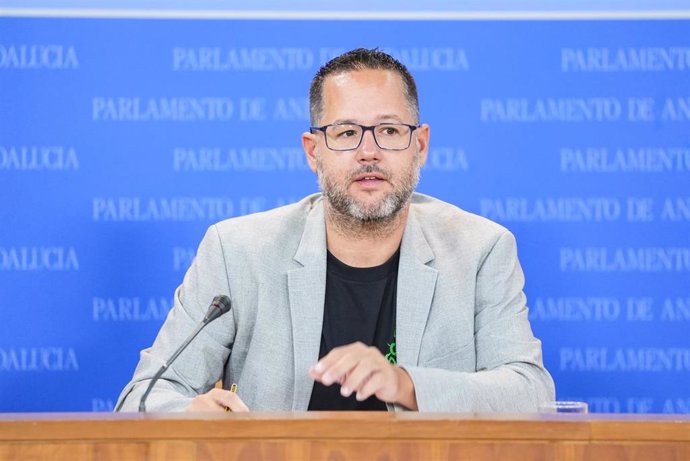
(368, 183)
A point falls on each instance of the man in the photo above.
(367, 296)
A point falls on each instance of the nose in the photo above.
(368, 150)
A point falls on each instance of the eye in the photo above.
(347, 131)
(389, 130)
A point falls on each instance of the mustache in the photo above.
(364, 169)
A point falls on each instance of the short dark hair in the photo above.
(361, 59)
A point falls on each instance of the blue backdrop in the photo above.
(121, 140)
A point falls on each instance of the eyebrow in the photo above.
(380, 119)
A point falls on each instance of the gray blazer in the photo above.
(461, 325)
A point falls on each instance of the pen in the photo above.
(233, 389)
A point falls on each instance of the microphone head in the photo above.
(221, 302)
(220, 305)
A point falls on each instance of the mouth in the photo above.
(369, 178)
(370, 182)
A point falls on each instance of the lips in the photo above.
(369, 182)
(370, 177)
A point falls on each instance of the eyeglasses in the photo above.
(348, 136)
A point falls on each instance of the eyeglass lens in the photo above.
(349, 136)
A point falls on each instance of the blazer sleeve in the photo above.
(510, 374)
(200, 366)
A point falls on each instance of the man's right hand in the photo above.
(217, 400)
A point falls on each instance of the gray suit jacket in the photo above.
(461, 323)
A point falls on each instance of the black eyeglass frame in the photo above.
(364, 128)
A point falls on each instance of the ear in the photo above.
(309, 146)
(422, 141)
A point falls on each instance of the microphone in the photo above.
(220, 305)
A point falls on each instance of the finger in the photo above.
(338, 371)
(363, 370)
(204, 403)
(335, 355)
(336, 365)
(231, 400)
(214, 400)
(378, 384)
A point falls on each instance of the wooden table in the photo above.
(342, 436)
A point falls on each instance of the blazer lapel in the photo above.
(307, 291)
(416, 285)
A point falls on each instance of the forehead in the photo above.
(364, 96)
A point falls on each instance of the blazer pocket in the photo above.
(460, 358)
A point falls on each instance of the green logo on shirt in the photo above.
(391, 356)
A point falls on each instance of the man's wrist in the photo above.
(406, 392)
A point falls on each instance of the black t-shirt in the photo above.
(360, 306)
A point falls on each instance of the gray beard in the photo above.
(352, 217)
